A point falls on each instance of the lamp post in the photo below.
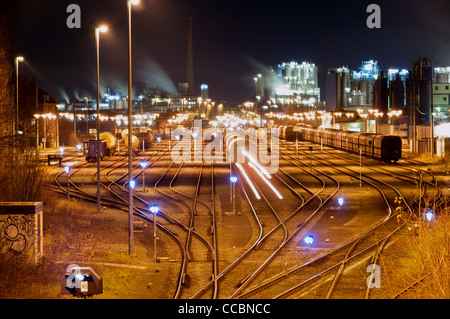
(309, 239)
(130, 131)
(154, 209)
(143, 165)
(44, 117)
(67, 170)
(97, 37)
(360, 166)
(37, 116)
(45, 132)
(340, 202)
(16, 124)
(233, 180)
(429, 215)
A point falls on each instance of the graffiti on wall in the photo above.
(16, 232)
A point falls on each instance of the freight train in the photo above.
(383, 147)
(109, 144)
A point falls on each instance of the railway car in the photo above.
(288, 133)
(111, 142)
(148, 138)
(388, 147)
(383, 147)
(135, 143)
(90, 150)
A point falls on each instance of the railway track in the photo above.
(388, 227)
(255, 273)
(274, 234)
(300, 277)
(120, 202)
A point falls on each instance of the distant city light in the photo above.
(132, 184)
(429, 215)
(341, 201)
(233, 179)
(143, 164)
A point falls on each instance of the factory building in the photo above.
(422, 78)
(441, 94)
(290, 87)
(338, 88)
(346, 88)
(204, 91)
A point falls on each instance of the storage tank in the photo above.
(111, 140)
(124, 134)
(397, 94)
(134, 142)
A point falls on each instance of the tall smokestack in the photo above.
(190, 59)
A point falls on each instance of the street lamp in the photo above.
(429, 215)
(143, 165)
(130, 131)
(341, 201)
(154, 209)
(16, 125)
(67, 170)
(309, 239)
(132, 184)
(37, 116)
(233, 180)
(360, 166)
(97, 37)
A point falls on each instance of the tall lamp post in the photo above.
(97, 38)
(16, 124)
(154, 209)
(130, 127)
(37, 116)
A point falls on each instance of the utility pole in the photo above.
(130, 134)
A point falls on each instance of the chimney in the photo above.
(190, 59)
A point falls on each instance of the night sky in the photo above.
(232, 40)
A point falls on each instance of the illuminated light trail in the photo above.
(265, 180)
(257, 164)
(248, 180)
